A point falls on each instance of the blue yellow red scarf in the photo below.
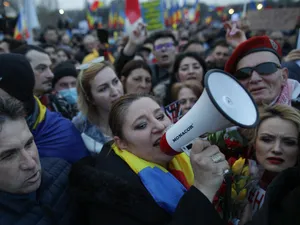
(54, 135)
(166, 186)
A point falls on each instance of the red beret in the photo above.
(254, 44)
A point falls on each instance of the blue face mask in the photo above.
(70, 95)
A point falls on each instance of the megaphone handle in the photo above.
(227, 199)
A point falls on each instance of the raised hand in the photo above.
(234, 35)
(139, 34)
(293, 55)
(136, 38)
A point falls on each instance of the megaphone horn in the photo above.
(223, 103)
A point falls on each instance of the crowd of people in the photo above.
(81, 123)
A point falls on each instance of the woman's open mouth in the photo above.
(157, 142)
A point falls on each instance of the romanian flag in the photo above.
(165, 186)
(178, 13)
(197, 12)
(220, 11)
(21, 30)
(96, 5)
(55, 136)
(185, 9)
(113, 17)
(166, 14)
(173, 13)
(90, 18)
(121, 19)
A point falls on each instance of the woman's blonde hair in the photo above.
(196, 88)
(85, 98)
(284, 112)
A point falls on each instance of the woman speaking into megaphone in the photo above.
(132, 181)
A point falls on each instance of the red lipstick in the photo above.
(275, 160)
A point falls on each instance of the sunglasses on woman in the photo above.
(263, 69)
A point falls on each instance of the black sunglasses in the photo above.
(266, 68)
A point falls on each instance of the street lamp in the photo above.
(259, 6)
(61, 12)
(231, 11)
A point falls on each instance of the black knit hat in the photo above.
(63, 69)
(16, 76)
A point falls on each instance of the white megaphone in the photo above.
(223, 103)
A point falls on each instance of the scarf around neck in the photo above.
(38, 115)
(291, 90)
(165, 186)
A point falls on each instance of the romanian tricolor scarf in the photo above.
(166, 186)
(54, 135)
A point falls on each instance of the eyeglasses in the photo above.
(167, 46)
(263, 69)
(89, 64)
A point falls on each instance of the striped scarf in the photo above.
(166, 186)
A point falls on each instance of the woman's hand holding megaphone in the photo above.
(208, 165)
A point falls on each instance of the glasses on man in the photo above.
(166, 46)
(263, 69)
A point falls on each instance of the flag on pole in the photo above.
(21, 30)
(133, 15)
(133, 11)
(197, 12)
(90, 18)
(173, 13)
(178, 13)
(96, 5)
(166, 13)
(220, 11)
(31, 19)
(113, 17)
(121, 19)
(185, 9)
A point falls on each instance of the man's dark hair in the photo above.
(10, 108)
(44, 46)
(196, 42)
(221, 42)
(72, 61)
(163, 34)
(13, 43)
(50, 27)
(24, 49)
(148, 41)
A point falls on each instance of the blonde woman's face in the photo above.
(276, 144)
(106, 88)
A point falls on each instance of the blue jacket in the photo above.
(49, 205)
(92, 131)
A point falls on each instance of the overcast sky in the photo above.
(75, 4)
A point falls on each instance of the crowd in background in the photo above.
(82, 118)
